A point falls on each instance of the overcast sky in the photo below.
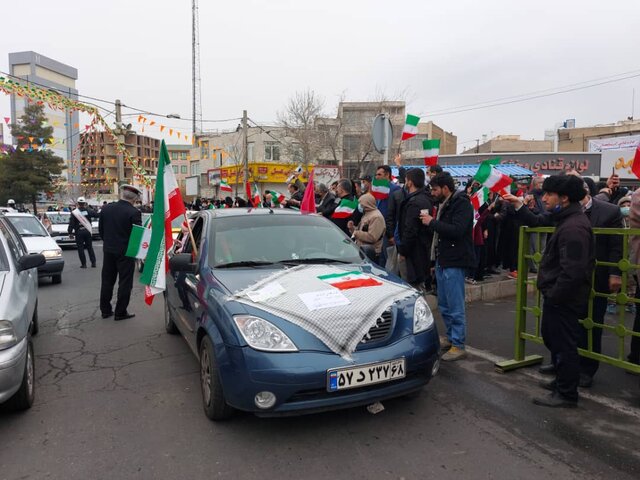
(255, 54)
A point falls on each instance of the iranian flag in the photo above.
(380, 188)
(277, 197)
(225, 187)
(480, 198)
(255, 198)
(635, 166)
(430, 151)
(308, 204)
(345, 208)
(410, 127)
(139, 241)
(167, 206)
(488, 176)
(347, 280)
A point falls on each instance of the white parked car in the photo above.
(18, 317)
(37, 239)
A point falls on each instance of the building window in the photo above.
(204, 150)
(173, 155)
(175, 169)
(183, 169)
(195, 168)
(351, 147)
(183, 155)
(271, 151)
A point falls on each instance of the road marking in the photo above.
(607, 402)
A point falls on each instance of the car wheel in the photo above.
(213, 401)
(56, 279)
(23, 398)
(34, 321)
(169, 324)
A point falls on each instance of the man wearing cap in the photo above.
(80, 226)
(116, 221)
(564, 279)
(11, 205)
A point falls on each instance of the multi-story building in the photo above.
(41, 71)
(581, 139)
(180, 156)
(511, 144)
(98, 160)
(412, 148)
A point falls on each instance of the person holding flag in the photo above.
(347, 208)
(167, 206)
(115, 226)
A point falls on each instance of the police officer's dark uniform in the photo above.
(83, 236)
(116, 222)
(564, 279)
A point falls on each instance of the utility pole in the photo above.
(477, 145)
(245, 146)
(120, 133)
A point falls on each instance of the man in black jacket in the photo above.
(564, 279)
(415, 238)
(347, 208)
(601, 214)
(453, 252)
(116, 221)
(327, 200)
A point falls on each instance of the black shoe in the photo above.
(107, 315)
(585, 381)
(548, 369)
(124, 317)
(93, 265)
(548, 385)
(555, 400)
(83, 266)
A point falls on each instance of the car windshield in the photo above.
(58, 218)
(28, 226)
(255, 240)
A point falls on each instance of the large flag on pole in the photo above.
(410, 127)
(308, 204)
(430, 151)
(167, 206)
(488, 176)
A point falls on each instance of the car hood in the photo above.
(38, 244)
(237, 279)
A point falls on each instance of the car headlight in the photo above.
(422, 316)
(57, 253)
(7, 335)
(263, 335)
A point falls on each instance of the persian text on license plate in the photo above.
(362, 375)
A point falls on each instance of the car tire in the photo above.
(56, 279)
(35, 327)
(169, 324)
(213, 401)
(23, 398)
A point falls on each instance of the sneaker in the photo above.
(454, 353)
(513, 275)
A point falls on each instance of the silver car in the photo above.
(18, 317)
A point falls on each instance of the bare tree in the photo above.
(299, 120)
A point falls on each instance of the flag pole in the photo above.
(193, 242)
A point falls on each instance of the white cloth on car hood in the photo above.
(340, 328)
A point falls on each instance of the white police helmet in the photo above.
(81, 200)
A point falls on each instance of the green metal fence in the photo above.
(526, 309)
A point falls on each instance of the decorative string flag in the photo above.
(410, 129)
(635, 166)
(431, 150)
(488, 176)
(167, 206)
(380, 188)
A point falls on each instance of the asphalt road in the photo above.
(120, 400)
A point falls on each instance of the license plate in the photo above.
(362, 375)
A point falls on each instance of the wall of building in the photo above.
(577, 139)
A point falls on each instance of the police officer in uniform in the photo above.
(116, 221)
(82, 231)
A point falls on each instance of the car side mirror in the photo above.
(181, 262)
(32, 260)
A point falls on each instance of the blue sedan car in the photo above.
(287, 316)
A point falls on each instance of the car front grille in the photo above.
(380, 330)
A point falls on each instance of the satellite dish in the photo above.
(382, 133)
